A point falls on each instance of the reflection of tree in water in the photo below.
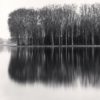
(55, 65)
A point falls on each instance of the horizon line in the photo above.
(55, 46)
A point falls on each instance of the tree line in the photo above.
(56, 25)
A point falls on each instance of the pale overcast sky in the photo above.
(6, 6)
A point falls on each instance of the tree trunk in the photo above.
(43, 41)
(52, 39)
(66, 37)
(92, 38)
(43, 36)
(59, 38)
(17, 41)
(85, 38)
(72, 36)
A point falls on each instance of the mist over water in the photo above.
(54, 73)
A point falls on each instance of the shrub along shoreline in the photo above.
(56, 25)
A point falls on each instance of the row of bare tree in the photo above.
(56, 25)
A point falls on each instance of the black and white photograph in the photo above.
(49, 50)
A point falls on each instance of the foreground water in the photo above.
(49, 73)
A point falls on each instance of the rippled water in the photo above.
(49, 73)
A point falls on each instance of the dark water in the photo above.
(49, 73)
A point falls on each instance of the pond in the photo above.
(49, 73)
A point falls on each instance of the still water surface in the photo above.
(49, 73)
